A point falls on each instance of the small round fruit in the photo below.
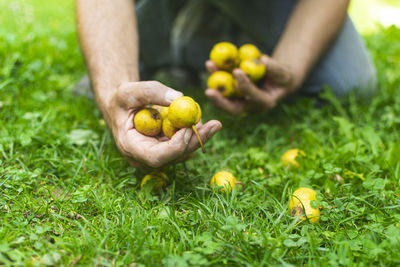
(168, 129)
(254, 68)
(289, 157)
(148, 122)
(300, 205)
(249, 51)
(184, 112)
(224, 55)
(223, 181)
(162, 110)
(223, 82)
(159, 179)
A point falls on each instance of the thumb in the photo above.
(276, 71)
(134, 94)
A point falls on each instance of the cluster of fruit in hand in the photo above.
(300, 202)
(183, 112)
(227, 57)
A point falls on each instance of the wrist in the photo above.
(298, 76)
(106, 99)
(295, 74)
(106, 81)
(297, 64)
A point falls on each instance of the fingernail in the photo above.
(171, 95)
(186, 137)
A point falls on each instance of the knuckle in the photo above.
(147, 94)
(156, 83)
(123, 89)
(176, 146)
(153, 84)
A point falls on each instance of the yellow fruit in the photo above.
(148, 122)
(159, 179)
(162, 110)
(184, 112)
(300, 205)
(223, 82)
(168, 129)
(254, 68)
(224, 55)
(223, 181)
(249, 51)
(289, 157)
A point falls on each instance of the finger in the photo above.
(168, 151)
(279, 73)
(248, 89)
(206, 131)
(221, 102)
(136, 94)
(265, 99)
(211, 66)
(150, 151)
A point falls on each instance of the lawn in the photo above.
(67, 196)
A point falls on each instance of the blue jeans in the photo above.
(182, 33)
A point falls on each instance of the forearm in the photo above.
(310, 30)
(109, 42)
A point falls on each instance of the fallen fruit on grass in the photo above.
(162, 110)
(158, 181)
(249, 51)
(148, 122)
(168, 129)
(223, 181)
(289, 157)
(223, 82)
(254, 68)
(224, 55)
(184, 112)
(300, 205)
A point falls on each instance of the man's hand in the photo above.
(309, 32)
(279, 82)
(141, 150)
(109, 43)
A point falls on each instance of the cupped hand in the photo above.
(144, 151)
(278, 83)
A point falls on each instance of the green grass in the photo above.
(369, 14)
(68, 197)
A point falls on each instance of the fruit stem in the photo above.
(198, 137)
